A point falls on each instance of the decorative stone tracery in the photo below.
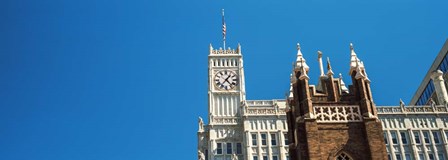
(337, 113)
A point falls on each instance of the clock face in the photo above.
(226, 79)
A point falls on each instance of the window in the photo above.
(404, 138)
(273, 140)
(274, 158)
(263, 139)
(421, 157)
(435, 134)
(398, 156)
(385, 137)
(229, 148)
(407, 156)
(287, 157)
(441, 156)
(219, 148)
(255, 158)
(238, 148)
(286, 140)
(417, 137)
(388, 157)
(431, 156)
(394, 137)
(265, 157)
(343, 156)
(254, 139)
(426, 137)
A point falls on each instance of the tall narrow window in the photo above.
(421, 156)
(219, 148)
(398, 156)
(274, 158)
(263, 139)
(431, 156)
(426, 137)
(254, 139)
(417, 137)
(238, 148)
(393, 134)
(229, 148)
(265, 157)
(286, 140)
(441, 156)
(407, 157)
(385, 137)
(404, 137)
(255, 157)
(273, 140)
(435, 134)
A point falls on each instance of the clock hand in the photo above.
(227, 79)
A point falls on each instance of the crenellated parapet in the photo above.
(224, 51)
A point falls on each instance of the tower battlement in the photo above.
(224, 51)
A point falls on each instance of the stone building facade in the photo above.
(332, 120)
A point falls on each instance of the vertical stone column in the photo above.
(439, 85)
(281, 146)
(413, 143)
(444, 140)
(248, 145)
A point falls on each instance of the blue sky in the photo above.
(126, 80)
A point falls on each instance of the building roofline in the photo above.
(433, 67)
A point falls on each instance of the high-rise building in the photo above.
(427, 91)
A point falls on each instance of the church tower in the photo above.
(330, 121)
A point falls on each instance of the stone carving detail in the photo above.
(411, 109)
(223, 51)
(201, 125)
(201, 155)
(234, 157)
(230, 120)
(337, 113)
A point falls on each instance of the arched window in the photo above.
(343, 156)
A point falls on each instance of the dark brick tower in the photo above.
(331, 122)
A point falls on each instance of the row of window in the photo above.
(264, 139)
(421, 156)
(417, 137)
(228, 148)
(266, 158)
(225, 62)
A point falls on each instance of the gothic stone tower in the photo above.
(330, 121)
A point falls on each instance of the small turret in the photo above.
(300, 62)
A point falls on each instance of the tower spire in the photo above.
(300, 62)
(330, 71)
(224, 30)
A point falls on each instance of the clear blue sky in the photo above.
(126, 80)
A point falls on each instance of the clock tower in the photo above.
(222, 138)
